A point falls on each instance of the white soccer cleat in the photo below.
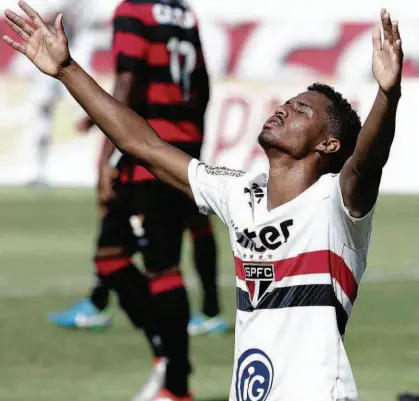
(155, 381)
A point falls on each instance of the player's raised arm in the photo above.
(128, 131)
(361, 175)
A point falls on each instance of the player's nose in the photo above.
(281, 111)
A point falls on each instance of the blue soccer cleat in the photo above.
(200, 325)
(83, 315)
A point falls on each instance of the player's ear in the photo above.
(329, 145)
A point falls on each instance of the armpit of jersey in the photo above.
(353, 232)
(210, 186)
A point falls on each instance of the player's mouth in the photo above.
(274, 121)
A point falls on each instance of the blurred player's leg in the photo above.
(205, 258)
(116, 269)
(100, 294)
(44, 92)
(164, 223)
(121, 237)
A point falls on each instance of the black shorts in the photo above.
(148, 217)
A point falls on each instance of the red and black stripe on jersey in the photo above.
(142, 40)
(307, 294)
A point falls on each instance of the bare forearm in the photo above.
(377, 134)
(360, 177)
(121, 125)
(127, 130)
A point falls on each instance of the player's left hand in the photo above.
(387, 62)
(46, 49)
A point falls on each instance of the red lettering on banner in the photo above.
(326, 61)
(226, 108)
(237, 36)
(323, 61)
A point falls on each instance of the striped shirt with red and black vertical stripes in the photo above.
(159, 42)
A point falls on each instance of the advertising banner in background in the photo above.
(256, 60)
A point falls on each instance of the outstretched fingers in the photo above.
(376, 40)
(395, 31)
(17, 46)
(32, 14)
(59, 27)
(19, 25)
(397, 46)
(387, 26)
(18, 30)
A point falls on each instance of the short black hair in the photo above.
(345, 124)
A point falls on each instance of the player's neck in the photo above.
(288, 179)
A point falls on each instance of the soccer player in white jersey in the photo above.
(85, 27)
(299, 234)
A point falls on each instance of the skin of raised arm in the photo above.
(361, 175)
(127, 130)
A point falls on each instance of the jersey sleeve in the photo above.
(210, 187)
(353, 232)
(131, 39)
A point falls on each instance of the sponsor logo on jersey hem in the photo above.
(254, 376)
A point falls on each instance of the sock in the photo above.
(205, 257)
(132, 289)
(100, 294)
(172, 308)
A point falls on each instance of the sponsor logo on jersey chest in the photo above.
(259, 272)
(268, 238)
(258, 277)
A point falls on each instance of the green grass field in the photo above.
(46, 240)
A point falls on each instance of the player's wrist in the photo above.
(67, 70)
(391, 95)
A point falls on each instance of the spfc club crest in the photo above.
(259, 277)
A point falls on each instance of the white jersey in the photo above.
(297, 272)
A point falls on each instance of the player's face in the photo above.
(298, 126)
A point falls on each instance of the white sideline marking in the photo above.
(79, 285)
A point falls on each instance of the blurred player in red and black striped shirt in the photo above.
(159, 57)
(160, 74)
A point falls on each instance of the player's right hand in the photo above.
(46, 49)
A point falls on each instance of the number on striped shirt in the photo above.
(181, 73)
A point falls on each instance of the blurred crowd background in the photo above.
(259, 53)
